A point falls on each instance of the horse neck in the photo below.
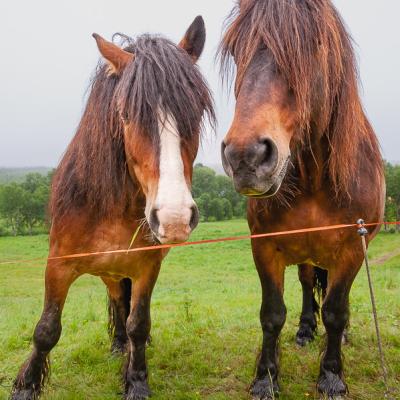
(311, 160)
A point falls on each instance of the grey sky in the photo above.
(48, 55)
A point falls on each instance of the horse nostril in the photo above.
(194, 219)
(267, 156)
(225, 160)
(154, 220)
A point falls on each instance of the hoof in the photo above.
(24, 394)
(264, 389)
(138, 391)
(304, 335)
(119, 347)
(331, 386)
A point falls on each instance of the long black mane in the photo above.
(161, 80)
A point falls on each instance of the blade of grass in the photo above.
(135, 235)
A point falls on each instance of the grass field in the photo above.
(206, 332)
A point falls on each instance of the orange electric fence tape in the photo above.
(196, 243)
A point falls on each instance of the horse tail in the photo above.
(320, 286)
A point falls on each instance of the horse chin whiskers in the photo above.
(151, 237)
(148, 235)
(154, 239)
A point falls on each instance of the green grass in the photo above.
(205, 331)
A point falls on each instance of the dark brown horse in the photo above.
(129, 163)
(301, 148)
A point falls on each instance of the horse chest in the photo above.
(317, 248)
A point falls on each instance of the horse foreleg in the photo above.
(272, 316)
(119, 296)
(308, 318)
(335, 316)
(31, 377)
(138, 330)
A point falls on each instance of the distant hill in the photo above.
(8, 175)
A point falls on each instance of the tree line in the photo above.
(392, 209)
(215, 195)
(23, 205)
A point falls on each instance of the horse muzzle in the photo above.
(171, 226)
(257, 170)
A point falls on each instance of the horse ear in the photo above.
(117, 58)
(194, 39)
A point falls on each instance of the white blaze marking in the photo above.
(174, 199)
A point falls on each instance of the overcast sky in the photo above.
(48, 55)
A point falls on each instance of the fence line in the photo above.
(197, 243)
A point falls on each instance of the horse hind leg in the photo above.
(313, 281)
(119, 298)
(32, 376)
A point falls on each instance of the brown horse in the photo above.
(129, 163)
(301, 148)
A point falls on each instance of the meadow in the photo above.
(205, 327)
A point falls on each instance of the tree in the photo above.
(392, 211)
(228, 210)
(203, 181)
(203, 202)
(217, 209)
(206, 181)
(23, 205)
(35, 199)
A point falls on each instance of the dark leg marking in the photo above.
(335, 315)
(138, 330)
(32, 375)
(272, 316)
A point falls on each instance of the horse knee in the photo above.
(138, 328)
(273, 321)
(335, 320)
(47, 331)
